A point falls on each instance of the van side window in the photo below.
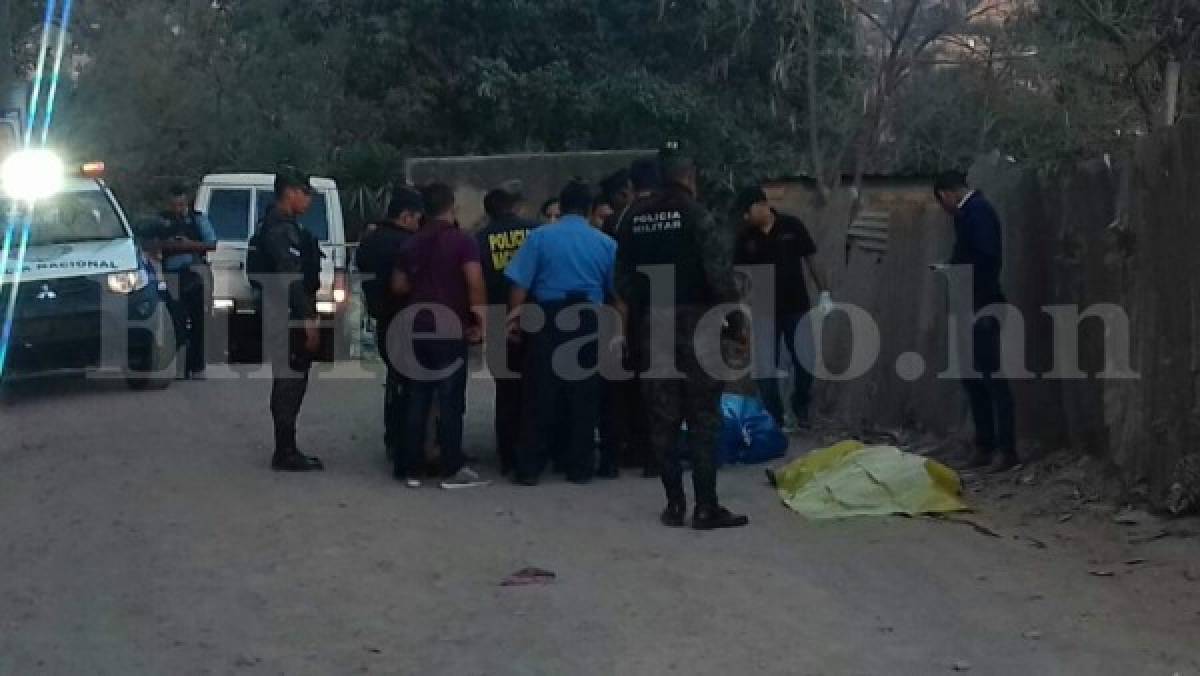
(229, 211)
(315, 221)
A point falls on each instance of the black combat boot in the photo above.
(295, 461)
(674, 515)
(714, 517)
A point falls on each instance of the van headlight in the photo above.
(126, 283)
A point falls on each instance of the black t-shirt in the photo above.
(498, 243)
(785, 246)
(377, 256)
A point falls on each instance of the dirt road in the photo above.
(143, 534)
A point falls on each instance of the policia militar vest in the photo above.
(663, 230)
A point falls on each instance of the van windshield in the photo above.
(315, 221)
(67, 217)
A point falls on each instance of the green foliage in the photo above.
(177, 89)
(172, 89)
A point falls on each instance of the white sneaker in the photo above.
(412, 483)
(464, 478)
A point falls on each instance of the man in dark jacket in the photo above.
(377, 257)
(671, 228)
(627, 414)
(292, 257)
(979, 245)
(499, 242)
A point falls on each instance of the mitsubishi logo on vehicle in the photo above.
(46, 293)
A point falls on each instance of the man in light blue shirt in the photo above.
(564, 266)
(185, 236)
(567, 257)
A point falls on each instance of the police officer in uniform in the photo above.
(377, 257)
(565, 268)
(671, 228)
(290, 278)
(499, 241)
(184, 236)
(631, 425)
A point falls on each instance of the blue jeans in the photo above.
(795, 334)
(451, 393)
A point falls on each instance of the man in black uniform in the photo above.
(499, 241)
(630, 424)
(616, 191)
(782, 243)
(672, 229)
(377, 257)
(184, 237)
(288, 266)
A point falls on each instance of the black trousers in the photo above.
(990, 396)
(629, 425)
(287, 396)
(609, 427)
(189, 309)
(510, 393)
(394, 392)
(553, 394)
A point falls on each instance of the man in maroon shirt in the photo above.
(441, 277)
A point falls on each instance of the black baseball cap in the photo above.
(288, 176)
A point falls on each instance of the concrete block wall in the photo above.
(542, 175)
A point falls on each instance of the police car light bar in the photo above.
(92, 170)
(32, 174)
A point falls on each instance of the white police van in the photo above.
(76, 293)
(235, 204)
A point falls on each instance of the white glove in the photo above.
(825, 302)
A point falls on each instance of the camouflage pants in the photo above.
(671, 401)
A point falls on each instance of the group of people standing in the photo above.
(564, 280)
(580, 283)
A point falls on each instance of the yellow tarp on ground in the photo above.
(851, 479)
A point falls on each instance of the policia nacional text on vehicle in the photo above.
(83, 296)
